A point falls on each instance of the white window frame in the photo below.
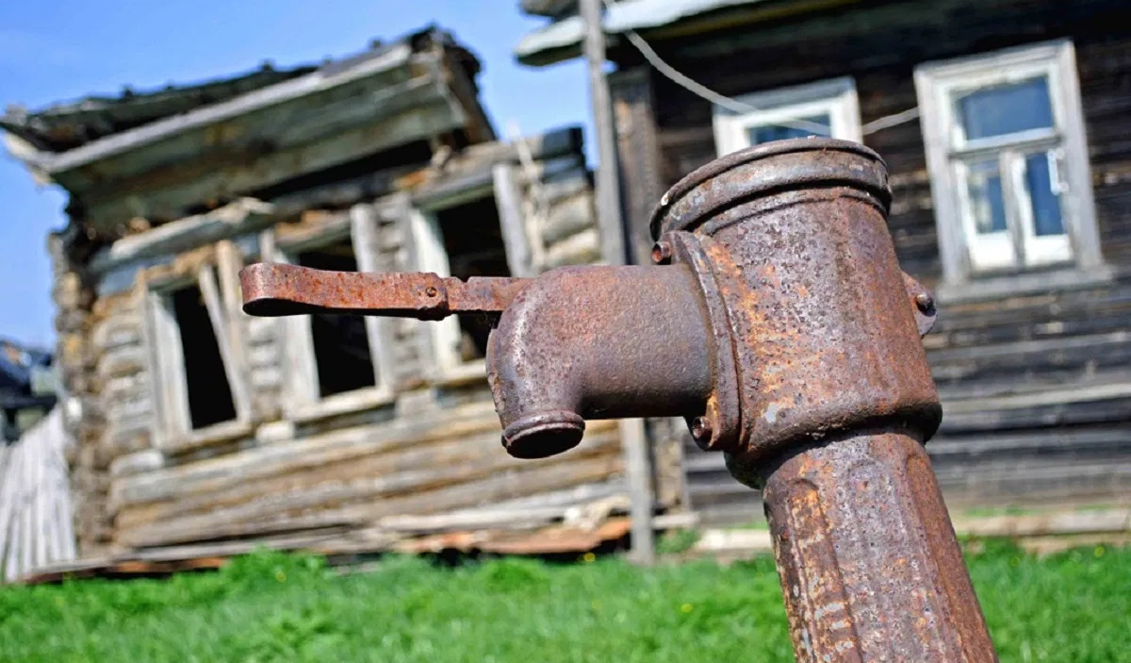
(302, 392)
(441, 339)
(836, 97)
(1015, 260)
(174, 431)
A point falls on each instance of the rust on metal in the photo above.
(777, 323)
(836, 398)
(271, 289)
(597, 343)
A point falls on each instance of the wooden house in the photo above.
(1004, 125)
(206, 431)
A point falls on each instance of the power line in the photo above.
(736, 106)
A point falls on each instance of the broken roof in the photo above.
(68, 125)
(168, 152)
(64, 126)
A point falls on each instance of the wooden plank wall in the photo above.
(1036, 389)
(432, 451)
(35, 500)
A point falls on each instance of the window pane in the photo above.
(771, 132)
(1045, 200)
(986, 200)
(1006, 109)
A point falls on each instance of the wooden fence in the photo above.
(35, 502)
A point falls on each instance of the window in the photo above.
(461, 241)
(335, 363)
(826, 108)
(200, 391)
(1008, 162)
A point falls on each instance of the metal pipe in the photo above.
(779, 325)
(835, 400)
(551, 366)
(869, 565)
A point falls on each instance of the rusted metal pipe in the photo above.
(778, 323)
(836, 400)
(869, 565)
(554, 361)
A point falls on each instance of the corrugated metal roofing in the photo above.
(619, 18)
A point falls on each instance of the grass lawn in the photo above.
(1073, 607)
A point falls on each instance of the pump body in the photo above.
(778, 324)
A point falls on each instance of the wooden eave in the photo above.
(214, 154)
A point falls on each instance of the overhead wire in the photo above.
(735, 106)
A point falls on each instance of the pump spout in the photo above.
(597, 343)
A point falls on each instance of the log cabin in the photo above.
(204, 431)
(1004, 125)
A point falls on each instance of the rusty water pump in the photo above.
(778, 323)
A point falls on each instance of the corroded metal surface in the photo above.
(778, 324)
(597, 343)
(278, 289)
(869, 565)
(823, 328)
(836, 400)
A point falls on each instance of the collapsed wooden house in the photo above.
(202, 424)
(1003, 124)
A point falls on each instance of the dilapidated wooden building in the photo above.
(1004, 126)
(201, 424)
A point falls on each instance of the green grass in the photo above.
(1074, 607)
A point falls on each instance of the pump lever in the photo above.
(277, 289)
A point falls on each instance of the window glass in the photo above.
(987, 202)
(1006, 109)
(770, 132)
(1043, 196)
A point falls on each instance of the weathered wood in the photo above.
(638, 156)
(422, 111)
(34, 496)
(550, 8)
(579, 249)
(512, 220)
(216, 473)
(638, 472)
(364, 222)
(533, 478)
(613, 242)
(136, 463)
(391, 472)
(227, 341)
(238, 217)
(568, 217)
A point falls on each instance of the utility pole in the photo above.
(608, 184)
(633, 436)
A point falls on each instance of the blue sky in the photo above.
(55, 50)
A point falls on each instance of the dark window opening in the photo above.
(341, 345)
(473, 241)
(209, 392)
